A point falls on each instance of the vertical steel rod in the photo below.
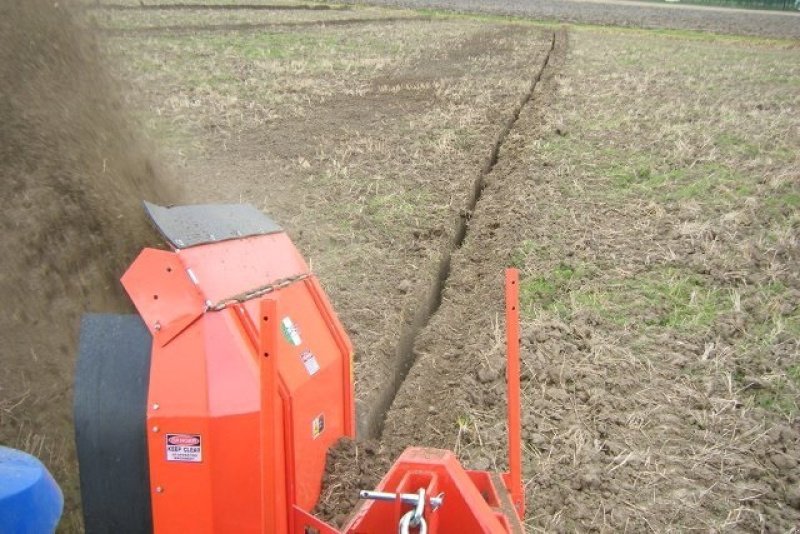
(514, 396)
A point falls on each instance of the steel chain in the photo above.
(414, 518)
(405, 524)
(419, 509)
(255, 293)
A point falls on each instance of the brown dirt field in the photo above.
(662, 345)
(646, 185)
(74, 171)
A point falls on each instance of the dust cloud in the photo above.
(74, 172)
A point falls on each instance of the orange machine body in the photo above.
(250, 383)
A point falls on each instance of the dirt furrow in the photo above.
(432, 299)
(458, 355)
(432, 402)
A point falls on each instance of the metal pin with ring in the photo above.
(405, 498)
(413, 518)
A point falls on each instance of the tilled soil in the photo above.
(662, 348)
(781, 24)
(647, 192)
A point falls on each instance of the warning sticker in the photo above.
(318, 425)
(290, 331)
(184, 448)
(310, 362)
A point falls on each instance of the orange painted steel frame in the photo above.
(471, 504)
(514, 397)
(241, 412)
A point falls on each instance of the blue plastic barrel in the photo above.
(30, 500)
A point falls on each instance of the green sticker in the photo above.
(291, 332)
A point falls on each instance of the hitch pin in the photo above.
(406, 498)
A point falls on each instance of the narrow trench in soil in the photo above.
(429, 304)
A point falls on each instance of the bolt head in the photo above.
(155, 428)
(159, 489)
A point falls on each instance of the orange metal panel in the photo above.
(345, 347)
(177, 406)
(315, 376)
(162, 292)
(304, 523)
(227, 268)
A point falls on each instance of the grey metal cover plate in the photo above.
(188, 226)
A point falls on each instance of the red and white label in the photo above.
(184, 448)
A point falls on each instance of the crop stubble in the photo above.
(365, 143)
(654, 214)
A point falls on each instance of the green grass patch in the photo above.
(793, 372)
(390, 209)
(736, 144)
(221, 61)
(527, 248)
(779, 375)
(780, 201)
(544, 290)
(673, 299)
(632, 174)
(396, 207)
(663, 298)
(273, 45)
(708, 182)
(783, 394)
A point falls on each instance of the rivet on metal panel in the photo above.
(157, 326)
(266, 318)
(156, 406)
(155, 429)
(159, 489)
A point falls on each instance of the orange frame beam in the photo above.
(271, 510)
(514, 395)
